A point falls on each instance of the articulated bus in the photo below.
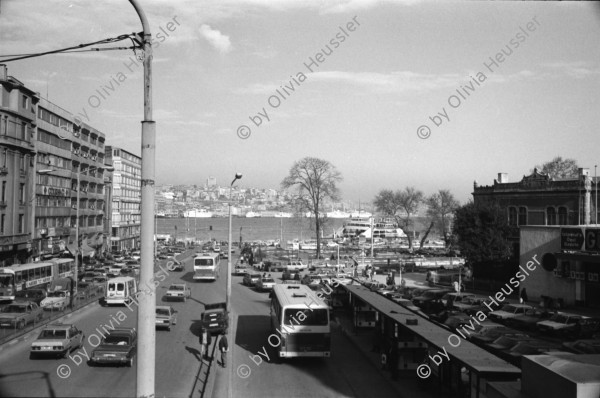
(33, 275)
(206, 266)
(301, 321)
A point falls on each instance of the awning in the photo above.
(72, 248)
(86, 250)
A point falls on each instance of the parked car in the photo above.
(533, 347)
(528, 320)
(265, 283)
(166, 317)
(119, 347)
(488, 335)
(19, 314)
(35, 295)
(251, 278)
(589, 346)
(178, 291)
(430, 299)
(568, 325)
(509, 311)
(57, 339)
(452, 298)
(215, 318)
(469, 303)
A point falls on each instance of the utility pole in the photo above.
(147, 301)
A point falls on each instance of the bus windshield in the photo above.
(316, 317)
(204, 262)
(6, 280)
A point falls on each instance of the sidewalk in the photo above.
(407, 384)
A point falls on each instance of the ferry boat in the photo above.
(276, 214)
(361, 214)
(387, 228)
(356, 226)
(252, 214)
(197, 213)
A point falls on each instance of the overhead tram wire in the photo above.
(79, 47)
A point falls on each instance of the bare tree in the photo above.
(401, 205)
(316, 180)
(441, 206)
(559, 168)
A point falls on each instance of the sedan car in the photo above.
(311, 279)
(55, 301)
(266, 283)
(166, 317)
(57, 339)
(240, 268)
(178, 291)
(119, 347)
(250, 279)
(567, 325)
(528, 320)
(509, 311)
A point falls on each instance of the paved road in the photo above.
(177, 358)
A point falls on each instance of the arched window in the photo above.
(550, 216)
(512, 216)
(522, 216)
(562, 216)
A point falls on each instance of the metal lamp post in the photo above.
(228, 293)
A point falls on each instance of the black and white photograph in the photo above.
(299, 198)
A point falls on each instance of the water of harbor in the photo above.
(248, 228)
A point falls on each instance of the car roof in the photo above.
(60, 326)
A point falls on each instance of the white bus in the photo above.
(120, 290)
(301, 321)
(206, 266)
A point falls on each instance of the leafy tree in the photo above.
(482, 232)
(401, 205)
(316, 180)
(559, 168)
(440, 208)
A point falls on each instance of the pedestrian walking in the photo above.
(224, 348)
(523, 295)
(203, 342)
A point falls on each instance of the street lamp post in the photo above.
(228, 293)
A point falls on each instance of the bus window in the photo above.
(120, 287)
(19, 277)
(316, 317)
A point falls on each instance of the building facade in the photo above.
(126, 199)
(18, 106)
(70, 210)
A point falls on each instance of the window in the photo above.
(3, 191)
(22, 193)
(23, 131)
(2, 220)
(22, 162)
(562, 216)
(21, 223)
(25, 102)
(550, 216)
(512, 216)
(522, 216)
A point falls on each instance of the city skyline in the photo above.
(505, 84)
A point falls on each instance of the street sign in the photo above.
(592, 239)
(571, 238)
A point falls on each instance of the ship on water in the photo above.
(253, 214)
(197, 213)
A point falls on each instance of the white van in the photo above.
(120, 290)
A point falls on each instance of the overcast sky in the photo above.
(389, 68)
